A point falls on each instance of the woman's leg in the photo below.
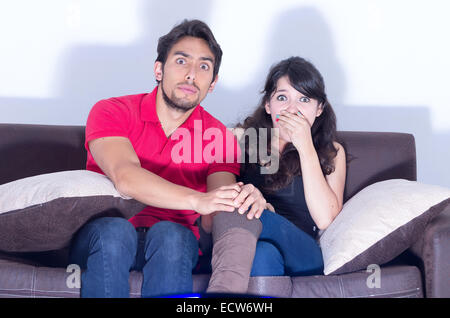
(234, 244)
(301, 253)
(268, 260)
(171, 253)
(106, 249)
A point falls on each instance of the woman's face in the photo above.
(286, 97)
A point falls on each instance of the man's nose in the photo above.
(190, 75)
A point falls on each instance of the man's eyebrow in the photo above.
(184, 54)
(207, 59)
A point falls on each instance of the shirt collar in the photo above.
(148, 110)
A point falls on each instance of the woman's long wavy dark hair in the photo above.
(306, 79)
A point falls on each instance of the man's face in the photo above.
(187, 75)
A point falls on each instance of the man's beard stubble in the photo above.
(176, 103)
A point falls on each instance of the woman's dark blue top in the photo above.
(288, 202)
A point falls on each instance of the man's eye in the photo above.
(204, 67)
(180, 61)
(304, 100)
(281, 98)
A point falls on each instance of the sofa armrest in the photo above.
(434, 250)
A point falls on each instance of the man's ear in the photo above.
(213, 84)
(158, 70)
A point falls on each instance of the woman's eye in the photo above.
(304, 100)
(281, 98)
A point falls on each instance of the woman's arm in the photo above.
(324, 195)
(214, 181)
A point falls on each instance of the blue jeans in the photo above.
(109, 248)
(284, 249)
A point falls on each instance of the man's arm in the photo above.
(118, 160)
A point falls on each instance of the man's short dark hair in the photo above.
(193, 28)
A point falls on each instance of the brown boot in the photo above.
(234, 238)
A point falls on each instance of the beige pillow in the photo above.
(43, 212)
(379, 223)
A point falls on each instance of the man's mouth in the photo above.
(188, 89)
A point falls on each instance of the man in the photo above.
(129, 139)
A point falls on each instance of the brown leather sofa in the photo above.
(421, 271)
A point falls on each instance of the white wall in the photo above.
(385, 63)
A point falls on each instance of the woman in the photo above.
(305, 194)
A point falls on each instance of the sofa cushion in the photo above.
(399, 281)
(43, 212)
(22, 280)
(379, 223)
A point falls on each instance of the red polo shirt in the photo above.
(199, 147)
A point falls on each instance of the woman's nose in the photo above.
(292, 108)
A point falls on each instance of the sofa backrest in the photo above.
(377, 156)
(29, 150)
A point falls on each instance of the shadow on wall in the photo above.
(432, 150)
(93, 72)
(89, 73)
(303, 32)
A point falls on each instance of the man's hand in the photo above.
(250, 195)
(219, 199)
